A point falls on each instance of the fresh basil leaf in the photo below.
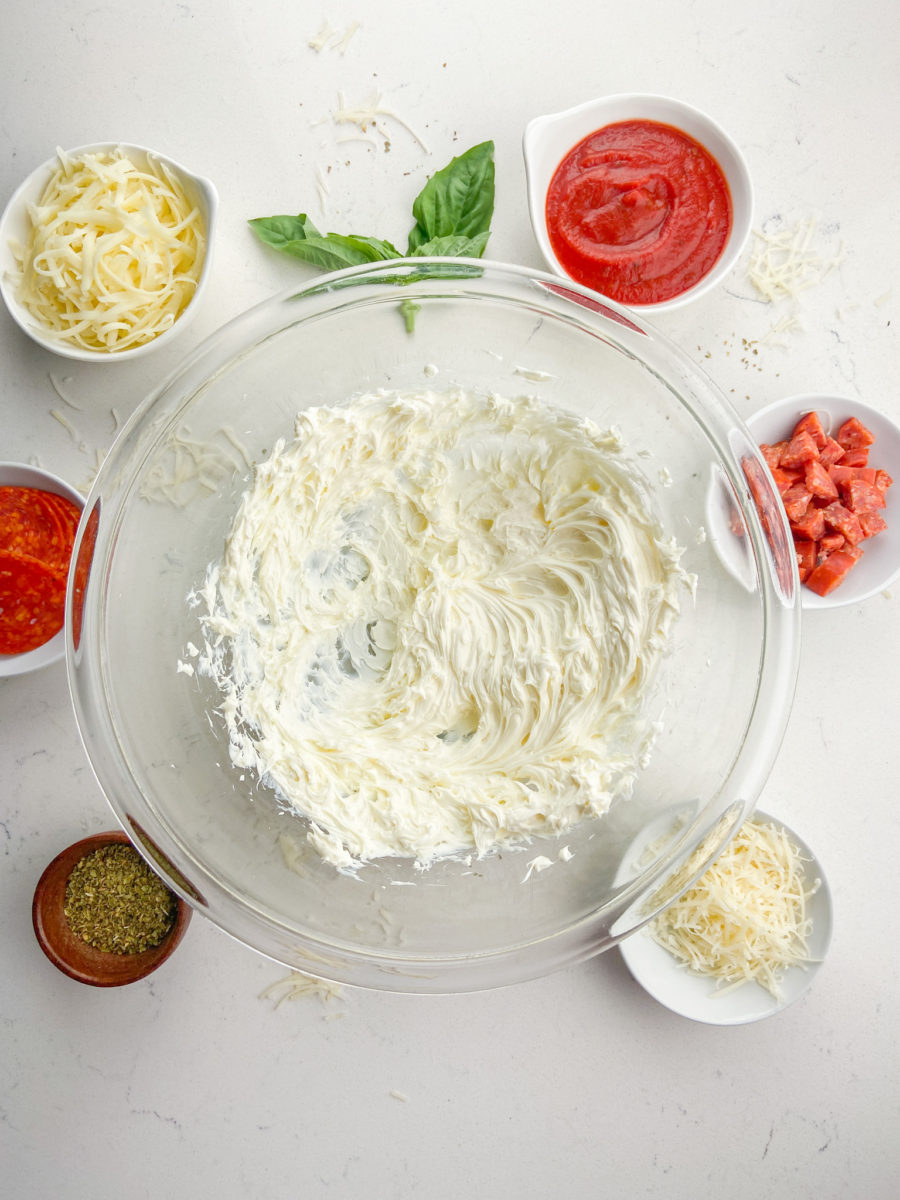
(327, 253)
(377, 249)
(298, 237)
(459, 199)
(455, 245)
(279, 231)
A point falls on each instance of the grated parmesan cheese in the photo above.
(745, 919)
(785, 261)
(114, 253)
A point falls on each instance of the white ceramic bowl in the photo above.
(19, 475)
(548, 139)
(880, 563)
(694, 996)
(14, 226)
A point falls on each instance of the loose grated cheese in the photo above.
(323, 37)
(367, 115)
(73, 433)
(775, 335)
(298, 985)
(785, 261)
(114, 253)
(57, 387)
(321, 187)
(745, 919)
(190, 468)
(344, 40)
(332, 39)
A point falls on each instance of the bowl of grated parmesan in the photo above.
(105, 250)
(744, 940)
(397, 621)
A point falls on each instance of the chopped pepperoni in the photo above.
(824, 578)
(833, 499)
(819, 483)
(785, 479)
(806, 557)
(810, 526)
(863, 497)
(831, 452)
(772, 454)
(872, 523)
(810, 423)
(853, 435)
(843, 521)
(842, 476)
(800, 450)
(829, 542)
(796, 501)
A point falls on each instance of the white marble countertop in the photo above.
(578, 1084)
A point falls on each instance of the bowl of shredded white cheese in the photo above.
(391, 635)
(747, 938)
(106, 249)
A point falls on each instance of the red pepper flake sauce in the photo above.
(639, 211)
(37, 532)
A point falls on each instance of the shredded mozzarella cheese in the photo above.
(745, 919)
(114, 254)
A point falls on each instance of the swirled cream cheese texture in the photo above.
(436, 620)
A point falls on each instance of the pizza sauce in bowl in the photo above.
(645, 199)
(639, 211)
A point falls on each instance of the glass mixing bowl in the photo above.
(161, 508)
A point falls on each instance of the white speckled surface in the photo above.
(578, 1084)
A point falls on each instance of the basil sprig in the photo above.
(452, 213)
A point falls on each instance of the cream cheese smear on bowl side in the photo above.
(435, 623)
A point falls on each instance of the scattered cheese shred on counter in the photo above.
(114, 254)
(785, 261)
(298, 985)
(332, 39)
(745, 919)
(367, 115)
(325, 35)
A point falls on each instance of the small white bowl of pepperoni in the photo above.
(833, 460)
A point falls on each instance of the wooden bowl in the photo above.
(69, 953)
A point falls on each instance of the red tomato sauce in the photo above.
(639, 211)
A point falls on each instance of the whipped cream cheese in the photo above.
(436, 620)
